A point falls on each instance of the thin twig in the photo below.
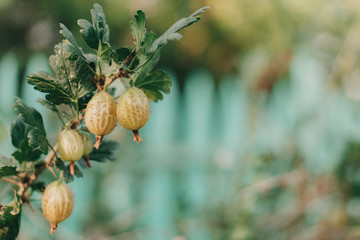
(11, 181)
(120, 71)
(49, 161)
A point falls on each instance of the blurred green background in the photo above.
(259, 139)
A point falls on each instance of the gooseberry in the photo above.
(57, 203)
(133, 110)
(100, 115)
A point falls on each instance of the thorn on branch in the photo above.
(11, 181)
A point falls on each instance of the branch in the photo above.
(11, 181)
(121, 72)
(27, 180)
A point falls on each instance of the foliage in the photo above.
(75, 78)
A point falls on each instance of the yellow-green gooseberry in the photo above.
(133, 110)
(70, 147)
(100, 115)
(57, 203)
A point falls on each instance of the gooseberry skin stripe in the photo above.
(100, 115)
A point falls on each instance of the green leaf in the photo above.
(59, 164)
(72, 77)
(85, 84)
(6, 171)
(120, 54)
(99, 22)
(105, 53)
(171, 33)
(26, 153)
(38, 138)
(105, 152)
(150, 38)
(51, 106)
(138, 29)
(33, 118)
(77, 172)
(154, 85)
(38, 186)
(73, 47)
(148, 65)
(68, 177)
(58, 93)
(18, 131)
(83, 101)
(10, 216)
(89, 33)
(97, 32)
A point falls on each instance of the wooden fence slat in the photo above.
(158, 190)
(8, 87)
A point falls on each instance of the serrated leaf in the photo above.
(73, 47)
(59, 164)
(67, 176)
(84, 75)
(99, 22)
(148, 65)
(10, 216)
(105, 152)
(37, 138)
(33, 118)
(49, 105)
(18, 131)
(6, 171)
(89, 33)
(82, 163)
(77, 172)
(138, 29)
(154, 85)
(96, 33)
(150, 38)
(72, 78)
(84, 101)
(120, 54)
(28, 114)
(38, 186)
(57, 93)
(171, 33)
(105, 53)
(25, 153)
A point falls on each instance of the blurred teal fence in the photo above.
(189, 170)
(166, 177)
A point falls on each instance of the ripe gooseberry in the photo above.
(57, 203)
(100, 115)
(70, 147)
(133, 110)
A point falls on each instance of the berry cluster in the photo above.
(88, 108)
